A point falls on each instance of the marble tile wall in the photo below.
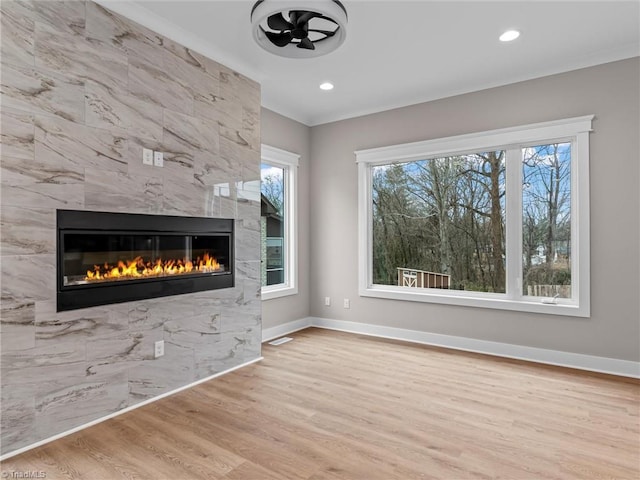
(83, 91)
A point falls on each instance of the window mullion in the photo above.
(513, 227)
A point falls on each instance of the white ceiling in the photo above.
(399, 53)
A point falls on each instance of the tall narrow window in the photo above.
(495, 219)
(546, 220)
(278, 172)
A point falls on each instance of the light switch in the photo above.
(158, 159)
(147, 156)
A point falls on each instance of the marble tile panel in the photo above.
(235, 135)
(238, 88)
(219, 109)
(126, 347)
(178, 160)
(17, 134)
(76, 325)
(133, 156)
(194, 59)
(247, 243)
(76, 146)
(44, 170)
(17, 28)
(81, 401)
(28, 277)
(152, 84)
(42, 91)
(193, 332)
(17, 326)
(135, 40)
(185, 199)
(151, 378)
(154, 313)
(65, 16)
(195, 73)
(16, 314)
(31, 365)
(229, 352)
(25, 231)
(106, 108)
(210, 170)
(118, 192)
(17, 421)
(81, 57)
(248, 270)
(34, 195)
(238, 154)
(190, 132)
(251, 127)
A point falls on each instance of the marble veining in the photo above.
(83, 91)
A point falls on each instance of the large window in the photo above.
(496, 219)
(278, 172)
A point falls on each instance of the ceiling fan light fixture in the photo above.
(299, 28)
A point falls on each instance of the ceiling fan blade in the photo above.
(279, 39)
(327, 33)
(278, 22)
(293, 17)
(306, 44)
(305, 17)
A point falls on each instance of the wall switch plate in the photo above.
(327, 301)
(159, 348)
(347, 303)
(158, 159)
(147, 156)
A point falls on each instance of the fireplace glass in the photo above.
(122, 257)
(111, 257)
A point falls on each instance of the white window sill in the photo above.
(475, 299)
(277, 291)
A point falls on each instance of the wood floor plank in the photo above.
(338, 406)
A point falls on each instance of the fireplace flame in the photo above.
(138, 268)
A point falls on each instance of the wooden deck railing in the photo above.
(410, 277)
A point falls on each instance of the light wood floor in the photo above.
(335, 406)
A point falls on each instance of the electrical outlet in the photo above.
(159, 350)
(327, 301)
(347, 303)
(147, 156)
(158, 159)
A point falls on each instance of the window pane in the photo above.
(272, 221)
(546, 220)
(439, 223)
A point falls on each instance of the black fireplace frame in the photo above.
(82, 296)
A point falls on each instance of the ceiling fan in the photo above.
(299, 29)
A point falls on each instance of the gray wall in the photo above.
(83, 91)
(286, 134)
(611, 92)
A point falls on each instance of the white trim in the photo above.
(472, 142)
(511, 140)
(285, 329)
(612, 366)
(125, 410)
(289, 162)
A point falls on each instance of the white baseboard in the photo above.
(285, 328)
(124, 410)
(613, 366)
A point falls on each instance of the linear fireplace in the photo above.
(115, 257)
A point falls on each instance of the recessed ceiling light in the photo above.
(326, 86)
(509, 35)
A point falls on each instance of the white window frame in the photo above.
(289, 163)
(512, 140)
